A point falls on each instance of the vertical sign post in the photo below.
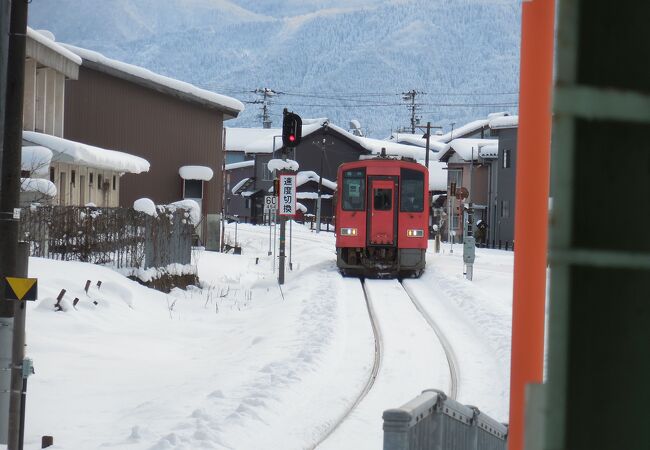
(286, 208)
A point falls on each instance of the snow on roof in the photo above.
(307, 176)
(462, 130)
(489, 151)
(301, 207)
(212, 98)
(36, 160)
(87, 155)
(437, 175)
(239, 184)
(418, 140)
(498, 114)
(504, 122)
(237, 139)
(196, 173)
(279, 164)
(239, 165)
(45, 38)
(38, 185)
(469, 149)
(261, 140)
(312, 195)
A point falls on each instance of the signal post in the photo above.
(291, 135)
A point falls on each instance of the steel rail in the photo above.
(454, 367)
(371, 378)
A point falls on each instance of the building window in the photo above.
(247, 203)
(193, 189)
(90, 179)
(506, 159)
(505, 209)
(73, 177)
(455, 177)
(114, 182)
(99, 181)
(52, 174)
(268, 174)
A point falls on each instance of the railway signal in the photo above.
(291, 129)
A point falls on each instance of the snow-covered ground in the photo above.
(243, 364)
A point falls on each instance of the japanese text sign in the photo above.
(287, 195)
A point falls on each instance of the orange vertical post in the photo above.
(531, 208)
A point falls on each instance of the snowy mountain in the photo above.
(332, 58)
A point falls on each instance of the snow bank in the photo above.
(39, 186)
(307, 175)
(202, 173)
(154, 273)
(45, 38)
(87, 155)
(279, 164)
(146, 206)
(36, 160)
(144, 74)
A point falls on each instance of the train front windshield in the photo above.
(354, 190)
(412, 191)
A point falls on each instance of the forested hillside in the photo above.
(332, 58)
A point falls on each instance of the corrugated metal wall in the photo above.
(112, 113)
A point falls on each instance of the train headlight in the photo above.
(415, 233)
(348, 231)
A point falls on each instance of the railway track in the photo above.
(454, 368)
(371, 378)
(452, 361)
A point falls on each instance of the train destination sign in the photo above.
(287, 195)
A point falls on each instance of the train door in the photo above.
(381, 229)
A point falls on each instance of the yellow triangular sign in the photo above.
(21, 286)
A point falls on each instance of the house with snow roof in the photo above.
(55, 170)
(324, 146)
(174, 125)
(482, 170)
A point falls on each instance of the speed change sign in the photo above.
(270, 203)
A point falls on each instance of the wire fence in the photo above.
(121, 237)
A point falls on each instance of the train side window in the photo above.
(411, 191)
(382, 200)
(354, 190)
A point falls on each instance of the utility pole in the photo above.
(409, 96)
(9, 202)
(6, 318)
(323, 143)
(266, 94)
(427, 135)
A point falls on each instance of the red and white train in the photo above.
(382, 217)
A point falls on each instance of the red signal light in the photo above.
(292, 137)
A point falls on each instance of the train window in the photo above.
(354, 190)
(411, 191)
(383, 199)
